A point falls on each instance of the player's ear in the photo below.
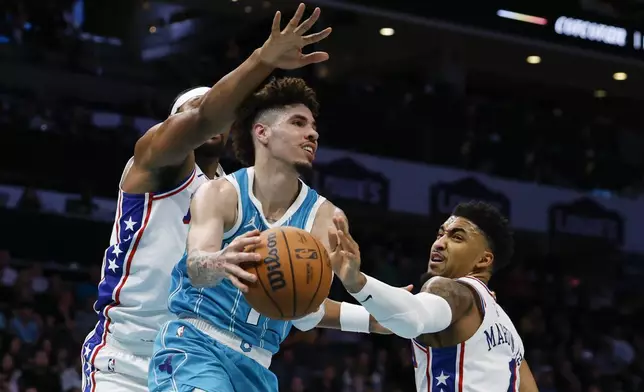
(485, 261)
(261, 132)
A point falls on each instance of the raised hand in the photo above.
(283, 49)
(207, 269)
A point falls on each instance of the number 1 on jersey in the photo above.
(253, 317)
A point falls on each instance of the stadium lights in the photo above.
(620, 76)
(387, 32)
(533, 59)
(599, 93)
(153, 29)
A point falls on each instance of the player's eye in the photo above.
(299, 123)
(439, 235)
(458, 237)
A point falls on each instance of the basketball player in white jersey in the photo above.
(170, 162)
(462, 339)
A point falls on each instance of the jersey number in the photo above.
(253, 317)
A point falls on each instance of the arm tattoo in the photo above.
(458, 296)
(204, 268)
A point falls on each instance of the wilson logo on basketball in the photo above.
(272, 261)
(306, 254)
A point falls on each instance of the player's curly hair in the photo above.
(494, 225)
(277, 93)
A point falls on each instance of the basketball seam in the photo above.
(290, 260)
(317, 245)
(267, 293)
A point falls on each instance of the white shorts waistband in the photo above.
(260, 355)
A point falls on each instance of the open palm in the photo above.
(283, 49)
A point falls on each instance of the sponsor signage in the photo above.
(415, 188)
(345, 180)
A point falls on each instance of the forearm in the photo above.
(398, 310)
(203, 269)
(219, 105)
(354, 318)
(339, 315)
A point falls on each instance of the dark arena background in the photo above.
(534, 106)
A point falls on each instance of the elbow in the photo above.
(407, 334)
(406, 325)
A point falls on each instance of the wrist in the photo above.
(355, 284)
(258, 60)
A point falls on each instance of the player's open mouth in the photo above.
(310, 149)
(436, 257)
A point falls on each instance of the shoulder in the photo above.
(141, 148)
(219, 189)
(327, 211)
(443, 287)
(215, 198)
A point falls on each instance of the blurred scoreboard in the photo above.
(562, 22)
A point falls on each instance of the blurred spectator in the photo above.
(70, 378)
(25, 324)
(39, 375)
(29, 201)
(8, 275)
(328, 382)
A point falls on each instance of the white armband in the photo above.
(353, 318)
(311, 320)
(403, 313)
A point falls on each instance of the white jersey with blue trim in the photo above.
(148, 237)
(224, 306)
(489, 361)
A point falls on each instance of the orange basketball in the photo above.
(294, 276)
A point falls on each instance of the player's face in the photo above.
(460, 248)
(292, 137)
(213, 148)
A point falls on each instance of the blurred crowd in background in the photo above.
(583, 332)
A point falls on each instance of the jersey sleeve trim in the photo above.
(183, 186)
(310, 220)
(480, 288)
(157, 195)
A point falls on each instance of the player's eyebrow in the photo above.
(453, 230)
(303, 118)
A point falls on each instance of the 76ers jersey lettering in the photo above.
(148, 237)
(489, 361)
(224, 306)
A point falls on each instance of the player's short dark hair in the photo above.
(494, 226)
(277, 93)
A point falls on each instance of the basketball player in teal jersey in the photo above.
(219, 343)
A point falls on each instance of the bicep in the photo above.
(323, 224)
(527, 382)
(208, 217)
(169, 143)
(458, 295)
